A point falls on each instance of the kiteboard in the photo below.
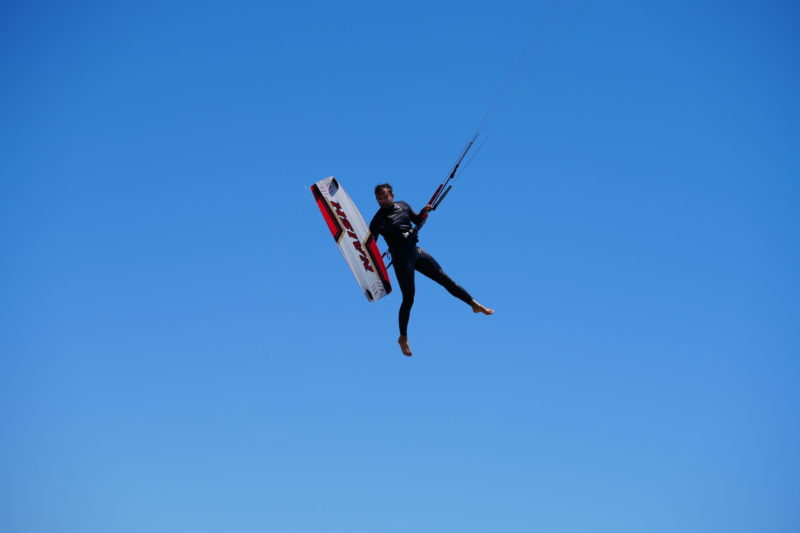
(353, 238)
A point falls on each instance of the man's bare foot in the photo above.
(403, 342)
(478, 308)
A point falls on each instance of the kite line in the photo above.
(484, 130)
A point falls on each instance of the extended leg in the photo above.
(428, 266)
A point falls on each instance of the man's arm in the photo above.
(417, 218)
(375, 225)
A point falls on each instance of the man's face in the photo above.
(385, 198)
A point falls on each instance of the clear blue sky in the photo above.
(184, 350)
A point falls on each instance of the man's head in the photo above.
(384, 195)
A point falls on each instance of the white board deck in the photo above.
(353, 238)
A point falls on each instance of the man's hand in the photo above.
(426, 210)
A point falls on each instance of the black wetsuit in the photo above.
(395, 225)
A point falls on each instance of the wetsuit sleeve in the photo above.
(375, 225)
(415, 217)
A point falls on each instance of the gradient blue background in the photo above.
(184, 350)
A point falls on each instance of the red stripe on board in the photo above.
(327, 214)
(377, 260)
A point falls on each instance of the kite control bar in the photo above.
(438, 196)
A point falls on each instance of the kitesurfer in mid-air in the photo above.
(394, 222)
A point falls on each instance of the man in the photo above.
(394, 222)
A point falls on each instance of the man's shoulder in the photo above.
(378, 214)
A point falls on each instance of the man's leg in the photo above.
(404, 271)
(429, 267)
